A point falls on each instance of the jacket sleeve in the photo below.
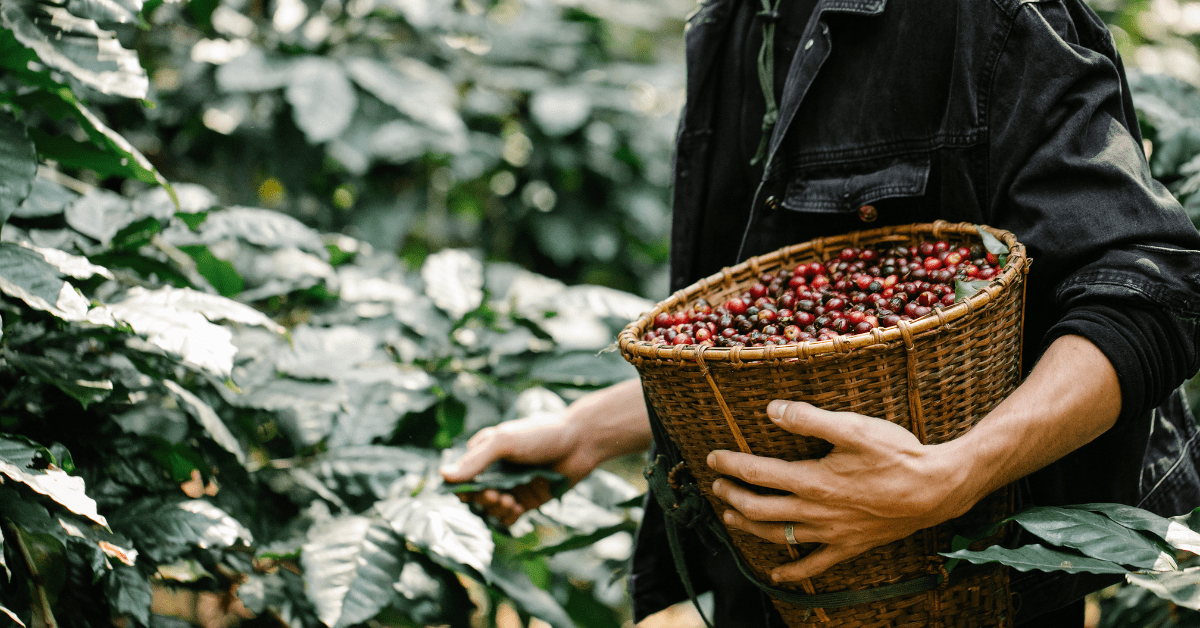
(1115, 258)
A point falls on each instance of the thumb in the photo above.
(843, 429)
(483, 450)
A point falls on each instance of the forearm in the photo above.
(1071, 397)
(612, 421)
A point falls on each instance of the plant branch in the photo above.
(39, 585)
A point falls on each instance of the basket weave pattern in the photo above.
(936, 376)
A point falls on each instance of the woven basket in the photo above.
(936, 376)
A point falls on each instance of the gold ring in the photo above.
(790, 534)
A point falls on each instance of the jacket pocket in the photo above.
(861, 184)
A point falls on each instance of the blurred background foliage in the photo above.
(538, 132)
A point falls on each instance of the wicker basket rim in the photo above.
(633, 348)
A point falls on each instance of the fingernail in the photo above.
(712, 459)
(728, 518)
(775, 409)
(449, 469)
(716, 486)
(775, 577)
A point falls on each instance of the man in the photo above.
(810, 118)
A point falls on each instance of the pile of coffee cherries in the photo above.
(854, 293)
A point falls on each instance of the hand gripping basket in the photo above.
(936, 376)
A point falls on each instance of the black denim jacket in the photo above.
(1010, 113)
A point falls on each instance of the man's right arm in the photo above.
(602, 425)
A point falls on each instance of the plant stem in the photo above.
(39, 586)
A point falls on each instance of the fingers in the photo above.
(762, 507)
(484, 448)
(815, 563)
(772, 531)
(843, 429)
(757, 470)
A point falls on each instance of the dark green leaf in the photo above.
(994, 246)
(588, 612)
(579, 541)
(147, 267)
(1095, 536)
(66, 490)
(193, 221)
(220, 273)
(129, 593)
(75, 46)
(263, 227)
(350, 564)
(528, 597)
(1180, 587)
(47, 198)
(107, 11)
(29, 516)
(11, 616)
(136, 234)
(161, 529)
(443, 527)
(18, 165)
(505, 476)
(178, 459)
(65, 377)
(208, 419)
(1174, 531)
(431, 594)
(370, 473)
(26, 275)
(1035, 556)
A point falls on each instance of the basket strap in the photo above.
(733, 426)
(916, 412)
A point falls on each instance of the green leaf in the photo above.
(107, 11)
(164, 530)
(451, 416)
(442, 526)
(66, 377)
(47, 198)
(207, 418)
(11, 615)
(100, 215)
(220, 273)
(505, 476)
(128, 593)
(262, 227)
(26, 275)
(18, 165)
(1175, 531)
(431, 595)
(136, 234)
(1095, 536)
(67, 491)
(964, 289)
(1035, 556)
(322, 98)
(30, 516)
(530, 598)
(76, 46)
(993, 245)
(178, 459)
(579, 541)
(116, 156)
(350, 564)
(193, 221)
(589, 612)
(370, 473)
(454, 280)
(1180, 587)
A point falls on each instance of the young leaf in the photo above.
(18, 165)
(1179, 587)
(965, 289)
(1035, 556)
(220, 273)
(322, 98)
(350, 564)
(442, 526)
(76, 46)
(1095, 536)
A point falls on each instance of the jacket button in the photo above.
(868, 213)
(771, 203)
